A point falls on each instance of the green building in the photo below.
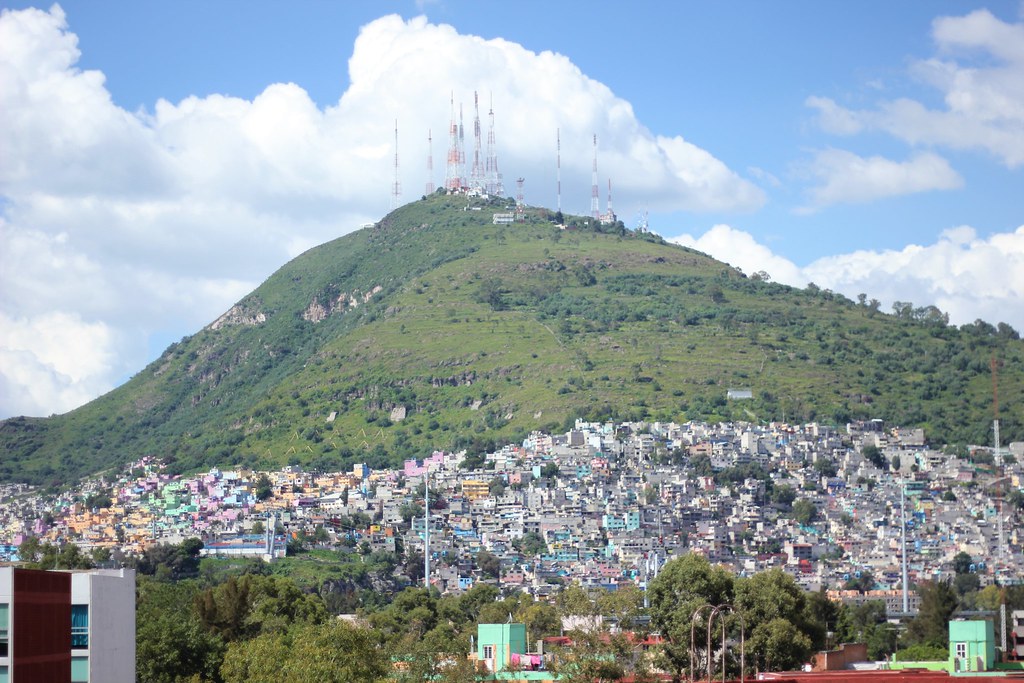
(502, 649)
(496, 643)
(972, 646)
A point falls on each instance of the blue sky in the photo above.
(871, 147)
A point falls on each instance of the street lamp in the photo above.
(721, 609)
(693, 645)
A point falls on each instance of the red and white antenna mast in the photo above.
(477, 181)
(558, 166)
(494, 186)
(396, 189)
(595, 200)
(452, 179)
(430, 164)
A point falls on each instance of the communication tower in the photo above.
(452, 178)
(477, 181)
(430, 164)
(595, 209)
(396, 189)
(494, 186)
(641, 223)
(520, 207)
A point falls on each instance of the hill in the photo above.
(436, 329)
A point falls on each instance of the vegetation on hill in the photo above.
(435, 329)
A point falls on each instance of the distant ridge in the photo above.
(438, 329)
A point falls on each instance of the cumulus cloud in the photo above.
(845, 177)
(53, 360)
(979, 72)
(742, 250)
(964, 275)
(114, 222)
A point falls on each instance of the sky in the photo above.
(158, 161)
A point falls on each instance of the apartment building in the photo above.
(67, 627)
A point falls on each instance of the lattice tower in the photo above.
(494, 186)
(430, 164)
(520, 206)
(396, 188)
(477, 180)
(595, 200)
(452, 178)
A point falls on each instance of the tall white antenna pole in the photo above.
(396, 188)
(903, 516)
(426, 529)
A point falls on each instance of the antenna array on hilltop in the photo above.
(483, 177)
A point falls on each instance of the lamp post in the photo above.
(693, 645)
(721, 609)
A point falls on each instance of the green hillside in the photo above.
(484, 332)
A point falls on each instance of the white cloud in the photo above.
(113, 223)
(53, 362)
(741, 250)
(845, 177)
(963, 275)
(980, 75)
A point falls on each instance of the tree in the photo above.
(171, 561)
(804, 511)
(778, 645)
(864, 582)
(592, 658)
(684, 585)
(573, 601)
(866, 623)
(496, 487)
(531, 543)
(243, 608)
(774, 609)
(783, 496)
(263, 487)
(931, 625)
(962, 563)
(623, 606)
(488, 564)
(873, 454)
(332, 652)
(170, 642)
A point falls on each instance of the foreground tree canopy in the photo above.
(244, 623)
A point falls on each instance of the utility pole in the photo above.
(426, 529)
(903, 515)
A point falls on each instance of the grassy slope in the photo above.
(534, 324)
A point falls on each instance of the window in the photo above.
(79, 626)
(79, 670)
(961, 650)
(488, 652)
(4, 608)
